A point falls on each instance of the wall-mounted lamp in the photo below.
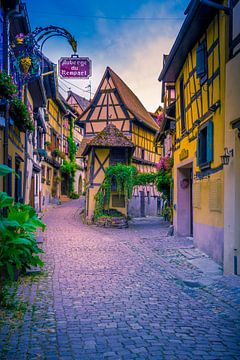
(226, 156)
(214, 106)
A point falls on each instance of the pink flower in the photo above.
(164, 163)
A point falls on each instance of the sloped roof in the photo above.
(131, 101)
(110, 136)
(82, 147)
(82, 102)
(199, 16)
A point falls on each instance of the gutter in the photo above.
(190, 16)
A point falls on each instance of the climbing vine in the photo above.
(117, 176)
(123, 178)
(70, 167)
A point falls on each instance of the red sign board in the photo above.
(75, 67)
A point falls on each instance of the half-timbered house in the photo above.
(114, 103)
(107, 148)
(196, 66)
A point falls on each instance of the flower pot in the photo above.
(19, 40)
(26, 63)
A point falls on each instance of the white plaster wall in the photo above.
(232, 171)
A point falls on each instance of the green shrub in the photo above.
(18, 225)
(18, 245)
(7, 88)
(74, 195)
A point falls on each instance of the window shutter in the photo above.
(198, 149)
(201, 60)
(19, 185)
(210, 142)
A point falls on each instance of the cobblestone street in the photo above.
(122, 294)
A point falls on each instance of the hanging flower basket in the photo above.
(19, 113)
(7, 88)
(20, 38)
(25, 63)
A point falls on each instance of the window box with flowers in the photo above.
(47, 144)
(7, 88)
(20, 114)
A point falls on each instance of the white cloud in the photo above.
(134, 50)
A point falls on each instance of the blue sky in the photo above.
(130, 36)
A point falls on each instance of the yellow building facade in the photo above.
(56, 145)
(196, 64)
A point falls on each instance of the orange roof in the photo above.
(82, 147)
(131, 101)
(110, 137)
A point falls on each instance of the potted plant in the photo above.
(20, 114)
(20, 38)
(47, 144)
(25, 64)
(7, 88)
(55, 152)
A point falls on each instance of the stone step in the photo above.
(64, 198)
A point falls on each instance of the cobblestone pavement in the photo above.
(122, 294)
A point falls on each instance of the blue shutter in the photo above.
(199, 149)
(210, 142)
(201, 60)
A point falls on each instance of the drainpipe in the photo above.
(25, 151)
(6, 69)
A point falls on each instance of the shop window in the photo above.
(205, 145)
(201, 67)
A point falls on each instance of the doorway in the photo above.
(142, 204)
(184, 224)
(65, 185)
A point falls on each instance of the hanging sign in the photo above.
(75, 67)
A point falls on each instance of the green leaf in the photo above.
(20, 241)
(4, 170)
(10, 271)
(5, 200)
(10, 223)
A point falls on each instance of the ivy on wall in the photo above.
(125, 177)
(69, 167)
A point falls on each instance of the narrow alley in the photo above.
(120, 294)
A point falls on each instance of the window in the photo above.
(118, 201)
(142, 153)
(117, 155)
(9, 177)
(205, 145)
(182, 105)
(201, 68)
(48, 176)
